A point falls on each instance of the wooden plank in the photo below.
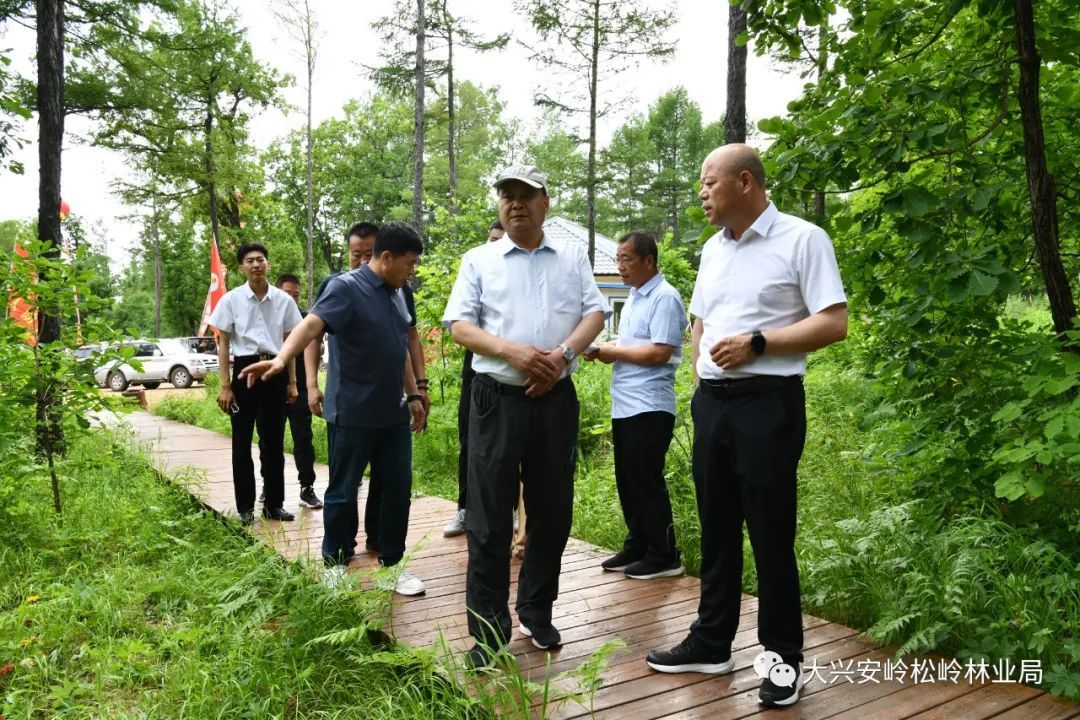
(593, 608)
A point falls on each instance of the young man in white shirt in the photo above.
(253, 321)
(768, 291)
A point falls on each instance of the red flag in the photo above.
(22, 310)
(217, 286)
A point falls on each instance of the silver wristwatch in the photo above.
(568, 353)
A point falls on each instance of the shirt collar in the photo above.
(505, 245)
(250, 294)
(760, 227)
(648, 287)
(373, 277)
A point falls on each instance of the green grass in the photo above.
(145, 605)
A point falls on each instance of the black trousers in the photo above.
(463, 439)
(263, 407)
(747, 445)
(641, 444)
(508, 431)
(299, 417)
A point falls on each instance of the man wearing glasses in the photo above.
(645, 357)
(253, 321)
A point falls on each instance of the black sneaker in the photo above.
(277, 514)
(690, 656)
(247, 517)
(648, 569)
(309, 499)
(774, 695)
(545, 637)
(479, 659)
(619, 561)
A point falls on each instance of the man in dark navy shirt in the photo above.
(366, 420)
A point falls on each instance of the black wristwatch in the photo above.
(410, 398)
(757, 343)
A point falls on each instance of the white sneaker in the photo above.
(336, 577)
(404, 584)
(456, 526)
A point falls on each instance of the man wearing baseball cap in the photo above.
(526, 306)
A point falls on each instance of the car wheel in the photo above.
(180, 378)
(152, 385)
(117, 381)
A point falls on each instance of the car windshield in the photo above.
(173, 347)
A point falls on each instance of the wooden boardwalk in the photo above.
(595, 606)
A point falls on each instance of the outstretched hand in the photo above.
(261, 370)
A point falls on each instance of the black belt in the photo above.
(255, 358)
(517, 390)
(733, 387)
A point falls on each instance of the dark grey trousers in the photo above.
(508, 431)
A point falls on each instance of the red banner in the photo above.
(217, 286)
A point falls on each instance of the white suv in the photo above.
(162, 361)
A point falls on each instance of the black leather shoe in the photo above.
(277, 514)
(247, 517)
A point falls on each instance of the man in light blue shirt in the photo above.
(645, 356)
(526, 306)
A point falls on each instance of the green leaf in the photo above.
(982, 197)
(980, 284)
(918, 201)
(1054, 427)
(1008, 413)
(1009, 486)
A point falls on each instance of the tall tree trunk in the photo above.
(590, 180)
(1044, 222)
(735, 114)
(310, 55)
(155, 228)
(211, 186)
(50, 102)
(418, 123)
(450, 112)
(822, 67)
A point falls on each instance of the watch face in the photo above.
(757, 343)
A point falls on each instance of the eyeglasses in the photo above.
(625, 259)
(255, 261)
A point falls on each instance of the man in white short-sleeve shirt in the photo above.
(527, 306)
(768, 291)
(253, 321)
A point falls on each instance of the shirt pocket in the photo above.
(566, 294)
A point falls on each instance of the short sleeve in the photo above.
(410, 304)
(698, 302)
(592, 299)
(464, 302)
(819, 273)
(292, 316)
(223, 317)
(668, 321)
(333, 306)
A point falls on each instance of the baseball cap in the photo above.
(528, 174)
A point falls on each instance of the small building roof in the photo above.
(569, 231)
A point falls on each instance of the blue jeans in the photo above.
(389, 452)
